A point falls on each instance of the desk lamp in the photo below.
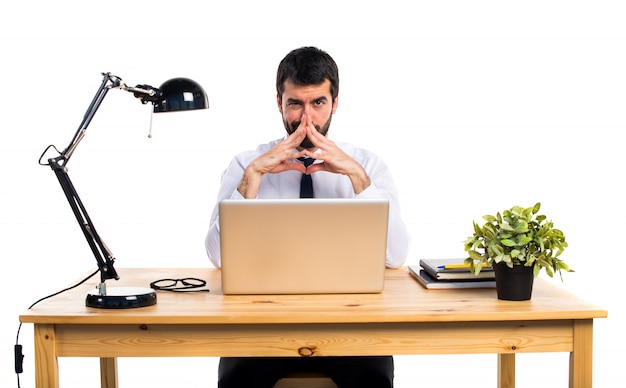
(177, 94)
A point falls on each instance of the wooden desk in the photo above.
(404, 319)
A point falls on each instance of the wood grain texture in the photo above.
(404, 319)
(403, 300)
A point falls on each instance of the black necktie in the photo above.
(306, 184)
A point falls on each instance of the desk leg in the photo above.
(46, 365)
(506, 370)
(580, 359)
(108, 372)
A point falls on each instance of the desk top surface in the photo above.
(403, 300)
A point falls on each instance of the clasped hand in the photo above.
(282, 157)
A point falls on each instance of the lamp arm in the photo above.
(102, 254)
(108, 82)
(145, 93)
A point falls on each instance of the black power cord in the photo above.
(188, 284)
(17, 349)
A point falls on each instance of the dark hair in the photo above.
(307, 66)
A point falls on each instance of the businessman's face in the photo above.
(313, 100)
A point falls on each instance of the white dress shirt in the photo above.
(325, 185)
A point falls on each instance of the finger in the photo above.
(290, 165)
(316, 167)
(308, 120)
(314, 136)
(296, 137)
(317, 138)
(297, 166)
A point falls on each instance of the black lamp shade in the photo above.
(181, 94)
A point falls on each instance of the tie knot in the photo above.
(307, 161)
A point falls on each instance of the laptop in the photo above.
(303, 246)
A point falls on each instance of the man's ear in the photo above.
(280, 103)
(335, 104)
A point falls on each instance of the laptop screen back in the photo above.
(303, 246)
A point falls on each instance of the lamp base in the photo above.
(122, 298)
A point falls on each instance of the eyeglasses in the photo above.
(186, 285)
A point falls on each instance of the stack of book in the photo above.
(451, 273)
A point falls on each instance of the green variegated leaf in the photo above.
(508, 242)
(562, 266)
(489, 232)
(536, 207)
(477, 230)
(521, 227)
(506, 226)
(489, 218)
(475, 255)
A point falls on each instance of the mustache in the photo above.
(295, 124)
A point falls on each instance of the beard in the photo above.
(306, 143)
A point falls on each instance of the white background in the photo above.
(475, 105)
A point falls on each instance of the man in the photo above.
(307, 85)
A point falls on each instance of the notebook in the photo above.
(303, 246)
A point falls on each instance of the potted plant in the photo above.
(518, 243)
